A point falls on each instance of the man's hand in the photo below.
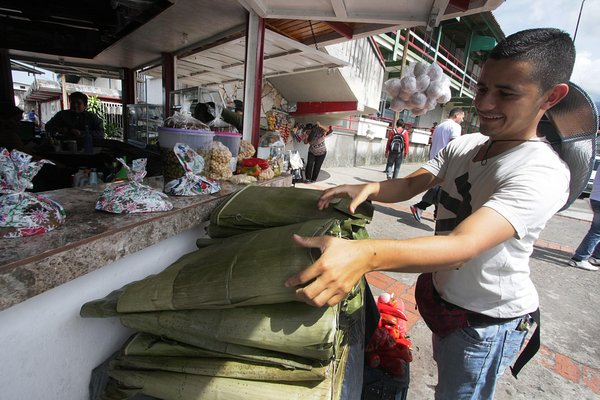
(358, 194)
(75, 132)
(334, 274)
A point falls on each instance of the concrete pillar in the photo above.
(168, 80)
(255, 43)
(7, 95)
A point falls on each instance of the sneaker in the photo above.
(416, 212)
(583, 265)
(594, 261)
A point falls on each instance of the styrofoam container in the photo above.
(230, 139)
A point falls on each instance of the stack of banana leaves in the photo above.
(219, 324)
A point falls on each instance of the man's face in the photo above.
(78, 105)
(508, 100)
(459, 117)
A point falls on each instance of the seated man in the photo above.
(72, 123)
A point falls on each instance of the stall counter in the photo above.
(49, 351)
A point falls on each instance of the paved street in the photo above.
(568, 364)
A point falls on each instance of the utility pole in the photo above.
(578, 18)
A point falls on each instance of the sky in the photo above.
(516, 15)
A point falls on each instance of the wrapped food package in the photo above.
(132, 196)
(23, 213)
(192, 183)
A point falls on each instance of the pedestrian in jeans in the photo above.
(587, 255)
(443, 134)
(396, 150)
(499, 188)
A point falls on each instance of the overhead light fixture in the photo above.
(184, 38)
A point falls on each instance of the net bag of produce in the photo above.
(23, 213)
(258, 207)
(132, 196)
(192, 183)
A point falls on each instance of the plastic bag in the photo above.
(218, 124)
(23, 213)
(132, 196)
(420, 89)
(192, 183)
(184, 121)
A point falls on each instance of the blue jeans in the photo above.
(470, 360)
(394, 161)
(589, 244)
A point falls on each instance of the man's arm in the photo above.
(389, 191)
(344, 262)
(55, 125)
(95, 126)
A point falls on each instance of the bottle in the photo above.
(88, 145)
(93, 179)
(122, 174)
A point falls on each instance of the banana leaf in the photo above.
(243, 270)
(294, 328)
(176, 386)
(222, 367)
(259, 207)
(164, 347)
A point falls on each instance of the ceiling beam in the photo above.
(339, 8)
(438, 8)
(343, 29)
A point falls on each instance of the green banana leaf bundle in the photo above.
(243, 270)
(146, 346)
(222, 367)
(293, 327)
(188, 379)
(177, 386)
(260, 207)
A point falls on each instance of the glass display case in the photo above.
(185, 100)
(143, 123)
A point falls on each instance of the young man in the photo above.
(498, 190)
(396, 150)
(445, 132)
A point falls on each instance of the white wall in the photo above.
(365, 73)
(48, 351)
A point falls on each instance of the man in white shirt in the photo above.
(498, 190)
(442, 135)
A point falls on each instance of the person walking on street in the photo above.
(498, 189)
(316, 150)
(587, 255)
(396, 150)
(443, 134)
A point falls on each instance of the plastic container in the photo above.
(230, 139)
(200, 141)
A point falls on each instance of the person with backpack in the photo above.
(443, 134)
(396, 150)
